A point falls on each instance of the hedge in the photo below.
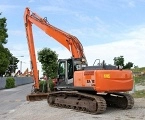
(43, 86)
(10, 82)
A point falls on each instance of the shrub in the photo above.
(43, 86)
(10, 82)
(51, 85)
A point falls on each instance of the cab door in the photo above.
(65, 72)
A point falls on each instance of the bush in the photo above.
(10, 82)
(43, 86)
(51, 85)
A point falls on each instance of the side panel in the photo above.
(78, 79)
(84, 79)
(114, 80)
(104, 80)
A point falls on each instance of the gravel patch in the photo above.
(139, 87)
(40, 110)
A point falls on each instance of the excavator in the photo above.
(80, 87)
(26, 73)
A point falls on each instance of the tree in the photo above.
(136, 66)
(6, 58)
(119, 61)
(6, 61)
(4, 52)
(3, 30)
(12, 66)
(48, 59)
(128, 65)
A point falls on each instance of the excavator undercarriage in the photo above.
(89, 103)
(84, 102)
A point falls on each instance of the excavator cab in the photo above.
(66, 69)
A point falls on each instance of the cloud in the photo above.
(16, 33)
(131, 3)
(128, 3)
(51, 9)
(131, 45)
(132, 50)
(83, 17)
(5, 8)
(137, 33)
(31, 1)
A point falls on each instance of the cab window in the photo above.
(62, 68)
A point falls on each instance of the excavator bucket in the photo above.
(37, 96)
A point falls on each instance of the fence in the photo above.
(18, 81)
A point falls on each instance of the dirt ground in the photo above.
(40, 110)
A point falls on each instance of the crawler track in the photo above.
(92, 104)
(120, 100)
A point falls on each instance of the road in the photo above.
(12, 98)
(40, 110)
(13, 106)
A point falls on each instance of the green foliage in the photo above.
(137, 69)
(51, 85)
(5, 55)
(139, 94)
(4, 52)
(3, 31)
(128, 65)
(10, 82)
(119, 61)
(139, 79)
(48, 59)
(4, 59)
(43, 86)
(13, 64)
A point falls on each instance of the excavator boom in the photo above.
(67, 40)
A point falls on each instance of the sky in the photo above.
(106, 28)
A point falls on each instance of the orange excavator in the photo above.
(79, 86)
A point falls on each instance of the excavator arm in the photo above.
(67, 40)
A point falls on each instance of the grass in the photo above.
(142, 69)
(139, 94)
(140, 80)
